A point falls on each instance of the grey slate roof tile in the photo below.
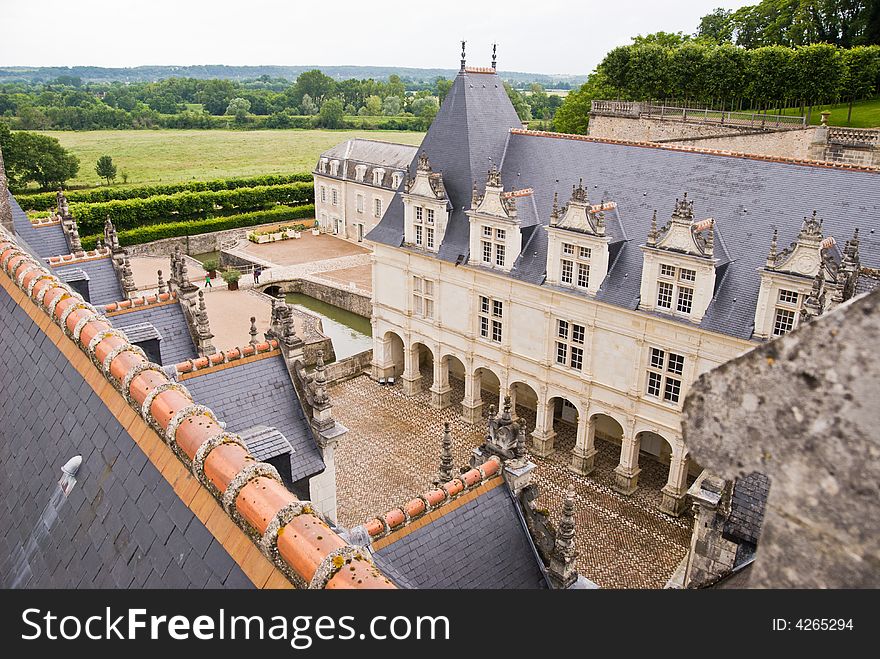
(260, 393)
(747, 504)
(177, 344)
(481, 544)
(104, 286)
(747, 197)
(44, 241)
(117, 516)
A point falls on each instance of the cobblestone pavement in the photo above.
(391, 453)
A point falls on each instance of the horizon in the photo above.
(581, 35)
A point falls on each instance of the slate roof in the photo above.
(177, 344)
(45, 241)
(480, 544)
(122, 524)
(104, 286)
(140, 332)
(265, 442)
(747, 504)
(373, 152)
(260, 392)
(747, 196)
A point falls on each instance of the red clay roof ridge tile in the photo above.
(68, 259)
(232, 356)
(287, 531)
(38, 222)
(434, 499)
(694, 149)
(135, 303)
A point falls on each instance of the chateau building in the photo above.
(354, 183)
(592, 281)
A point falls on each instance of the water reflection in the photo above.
(350, 333)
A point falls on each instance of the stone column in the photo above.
(511, 391)
(584, 453)
(381, 366)
(675, 490)
(543, 436)
(441, 392)
(472, 404)
(626, 474)
(412, 377)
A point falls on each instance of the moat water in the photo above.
(350, 333)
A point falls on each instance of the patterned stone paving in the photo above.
(392, 450)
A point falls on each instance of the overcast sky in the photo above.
(542, 36)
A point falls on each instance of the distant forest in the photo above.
(411, 77)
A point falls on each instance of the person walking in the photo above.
(208, 281)
(257, 272)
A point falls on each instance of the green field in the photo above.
(171, 156)
(865, 114)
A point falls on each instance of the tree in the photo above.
(861, 71)
(314, 83)
(574, 113)
(725, 73)
(687, 69)
(442, 85)
(239, 108)
(391, 106)
(522, 108)
(716, 26)
(308, 105)
(40, 159)
(664, 39)
(649, 71)
(332, 113)
(819, 73)
(106, 169)
(215, 95)
(373, 106)
(770, 74)
(615, 68)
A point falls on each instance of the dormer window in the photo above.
(334, 168)
(423, 224)
(574, 267)
(425, 208)
(786, 312)
(378, 176)
(359, 173)
(493, 246)
(396, 179)
(678, 275)
(322, 165)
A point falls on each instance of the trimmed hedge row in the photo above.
(132, 213)
(46, 200)
(146, 234)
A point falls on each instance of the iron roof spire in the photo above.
(463, 62)
(494, 56)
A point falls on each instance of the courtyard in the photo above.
(391, 453)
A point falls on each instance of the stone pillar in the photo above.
(203, 329)
(412, 377)
(626, 474)
(441, 392)
(543, 436)
(472, 404)
(382, 367)
(5, 206)
(584, 453)
(562, 570)
(675, 490)
(511, 391)
(711, 555)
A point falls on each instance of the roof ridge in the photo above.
(310, 554)
(137, 303)
(68, 259)
(400, 517)
(38, 222)
(227, 358)
(871, 169)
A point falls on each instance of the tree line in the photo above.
(312, 100)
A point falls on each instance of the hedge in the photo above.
(46, 200)
(153, 232)
(132, 213)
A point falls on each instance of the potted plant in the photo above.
(291, 232)
(211, 266)
(264, 238)
(278, 234)
(231, 277)
(298, 229)
(316, 230)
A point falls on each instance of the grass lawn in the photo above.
(172, 156)
(865, 114)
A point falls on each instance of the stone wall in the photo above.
(802, 409)
(203, 242)
(811, 143)
(349, 367)
(339, 297)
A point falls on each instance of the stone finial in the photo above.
(320, 380)
(562, 570)
(463, 59)
(774, 244)
(814, 303)
(811, 229)
(111, 238)
(494, 56)
(99, 244)
(203, 328)
(493, 178)
(555, 212)
(288, 329)
(579, 193)
(710, 240)
(424, 165)
(128, 285)
(253, 330)
(161, 287)
(446, 459)
(475, 196)
(505, 414)
(653, 232)
(75, 242)
(684, 209)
